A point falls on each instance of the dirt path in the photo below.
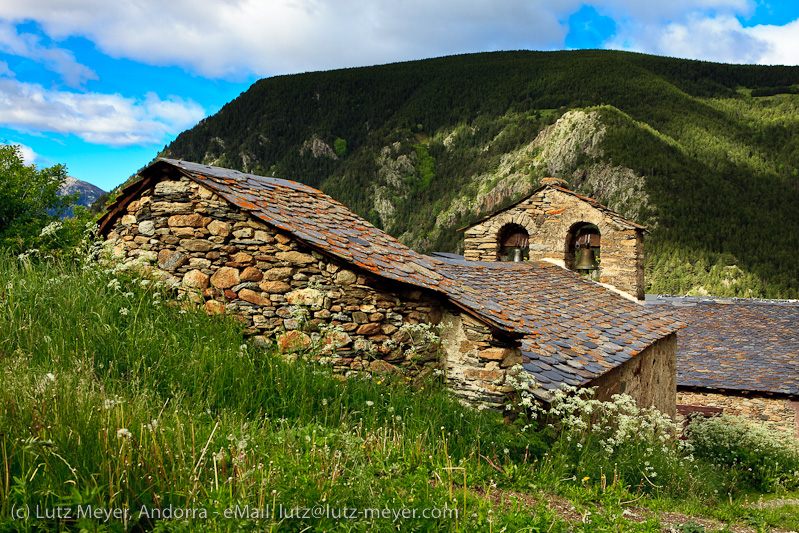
(670, 521)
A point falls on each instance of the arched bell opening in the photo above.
(583, 249)
(513, 243)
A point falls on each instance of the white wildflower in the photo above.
(25, 256)
(50, 229)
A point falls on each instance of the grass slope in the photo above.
(115, 396)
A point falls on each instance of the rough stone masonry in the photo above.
(231, 262)
(551, 216)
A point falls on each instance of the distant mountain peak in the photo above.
(88, 193)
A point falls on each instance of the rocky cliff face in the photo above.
(570, 148)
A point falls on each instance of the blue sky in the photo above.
(102, 87)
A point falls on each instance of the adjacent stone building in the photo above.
(738, 357)
(301, 270)
(551, 224)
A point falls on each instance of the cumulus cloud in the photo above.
(230, 37)
(28, 155)
(782, 41)
(4, 70)
(720, 39)
(645, 13)
(55, 59)
(108, 119)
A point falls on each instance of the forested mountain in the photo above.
(706, 155)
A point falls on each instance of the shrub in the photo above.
(29, 200)
(340, 147)
(756, 456)
(593, 440)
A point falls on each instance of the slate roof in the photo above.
(601, 207)
(573, 330)
(739, 345)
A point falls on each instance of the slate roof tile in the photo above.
(741, 345)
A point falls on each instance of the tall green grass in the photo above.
(116, 395)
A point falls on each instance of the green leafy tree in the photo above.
(29, 198)
(340, 147)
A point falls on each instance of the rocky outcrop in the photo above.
(570, 148)
(318, 148)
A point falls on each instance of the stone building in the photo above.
(739, 357)
(552, 224)
(299, 268)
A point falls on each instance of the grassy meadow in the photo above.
(123, 408)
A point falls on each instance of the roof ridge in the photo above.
(588, 199)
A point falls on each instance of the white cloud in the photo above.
(783, 43)
(55, 59)
(649, 12)
(720, 39)
(230, 37)
(28, 155)
(4, 70)
(97, 118)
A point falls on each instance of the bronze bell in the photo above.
(587, 260)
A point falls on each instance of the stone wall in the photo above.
(231, 262)
(550, 217)
(779, 413)
(649, 377)
(475, 367)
